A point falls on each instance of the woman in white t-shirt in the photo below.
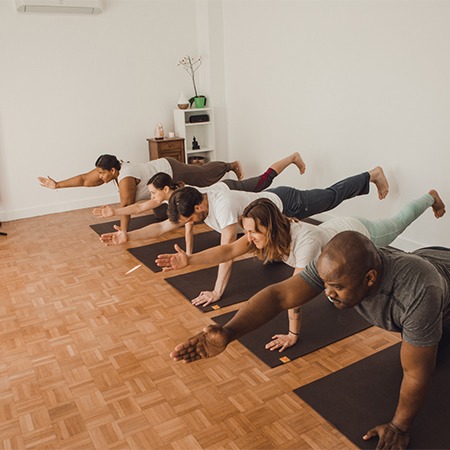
(131, 178)
(271, 236)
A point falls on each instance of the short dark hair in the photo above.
(183, 202)
(107, 162)
(356, 253)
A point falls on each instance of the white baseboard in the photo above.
(6, 216)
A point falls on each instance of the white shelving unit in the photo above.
(202, 131)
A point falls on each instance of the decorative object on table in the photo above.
(191, 65)
(171, 134)
(183, 102)
(195, 144)
(159, 131)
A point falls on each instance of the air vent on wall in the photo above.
(60, 6)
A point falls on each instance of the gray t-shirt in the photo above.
(414, 295)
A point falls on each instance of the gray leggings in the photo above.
(384, 231)
(303, 204)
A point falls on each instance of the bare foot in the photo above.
(378, 178)
(237, 169)
(295, 158)
(438, 205)
(298, 161)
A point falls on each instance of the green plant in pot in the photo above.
(191, 65)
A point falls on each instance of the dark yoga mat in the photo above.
(148, 253)
(363, 395)
(135, 223)
(248, 277)
(322, 324)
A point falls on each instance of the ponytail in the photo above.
(160, 180)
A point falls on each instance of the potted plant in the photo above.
(191, 65)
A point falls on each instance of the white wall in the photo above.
(73, 87)
(350, 84)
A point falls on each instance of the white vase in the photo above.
(183, 102)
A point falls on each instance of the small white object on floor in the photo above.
(133, 269)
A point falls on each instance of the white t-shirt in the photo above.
(143, 172)
(226, 206)
(309, 240)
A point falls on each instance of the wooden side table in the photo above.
(167, 147)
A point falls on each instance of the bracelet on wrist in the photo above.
(295, 334)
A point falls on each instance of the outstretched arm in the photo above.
(257, 311)
(418, 364)
(150, 231)
(205, 298)
(89, 179)
(135, 208)
(213, 255)
(281, 342)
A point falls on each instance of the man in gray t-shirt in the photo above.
(397, 291)
(415, 306)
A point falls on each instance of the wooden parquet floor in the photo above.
(85, 357)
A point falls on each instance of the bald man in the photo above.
(398, 291)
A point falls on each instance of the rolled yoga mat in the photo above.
(365, 394)
(135, 223)
(248, 277)
(148, 253)
(322, 324)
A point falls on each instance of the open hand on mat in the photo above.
(390, 436)
(205, 298)
(281, 342)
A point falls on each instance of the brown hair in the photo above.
(266, 214)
